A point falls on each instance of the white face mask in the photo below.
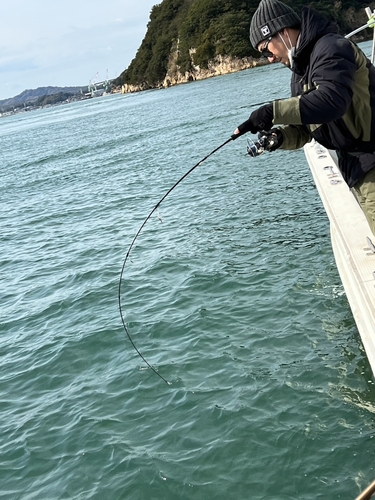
(291, 50)
(291, 54)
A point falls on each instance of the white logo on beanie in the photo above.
(265, 30)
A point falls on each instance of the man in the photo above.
(333, 93)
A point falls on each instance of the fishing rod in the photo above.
(370, 24)
(367, 493)
(254, 149)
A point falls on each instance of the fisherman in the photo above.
(333, 93)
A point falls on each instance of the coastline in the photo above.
(221, 65)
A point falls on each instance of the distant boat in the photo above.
(107, 87)
(94, 91)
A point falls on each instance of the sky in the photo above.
(68, 43)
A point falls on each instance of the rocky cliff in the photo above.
(220, 65)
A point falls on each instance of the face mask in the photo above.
(291, 50)
(291, 54)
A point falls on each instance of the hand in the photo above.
(260, 119)
(272, 139)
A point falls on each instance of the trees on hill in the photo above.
(210, 28)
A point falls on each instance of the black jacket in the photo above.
(333, 97)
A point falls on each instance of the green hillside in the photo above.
(212, 28)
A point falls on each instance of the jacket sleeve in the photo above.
(332, 73)
(294, 136)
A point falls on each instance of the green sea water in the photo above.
(231, 293)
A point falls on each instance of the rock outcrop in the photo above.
(220, 65)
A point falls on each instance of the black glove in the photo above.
(272, 139)
(260, 119)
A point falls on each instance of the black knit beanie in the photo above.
(271, 17)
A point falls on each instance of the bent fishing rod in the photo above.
(253, 149)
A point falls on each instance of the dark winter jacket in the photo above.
(333, 89)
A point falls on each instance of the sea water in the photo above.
(230, 293)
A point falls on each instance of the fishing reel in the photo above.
(266, 142)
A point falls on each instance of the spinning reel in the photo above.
(267, 141)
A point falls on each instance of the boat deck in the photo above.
(352, 242)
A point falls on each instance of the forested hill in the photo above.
(200, 31)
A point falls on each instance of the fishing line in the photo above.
(233, 137)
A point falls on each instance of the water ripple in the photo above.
(234, 298)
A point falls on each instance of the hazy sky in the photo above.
(51, 42)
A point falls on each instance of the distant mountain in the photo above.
(30, 96)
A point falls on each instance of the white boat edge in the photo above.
(355, 259)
